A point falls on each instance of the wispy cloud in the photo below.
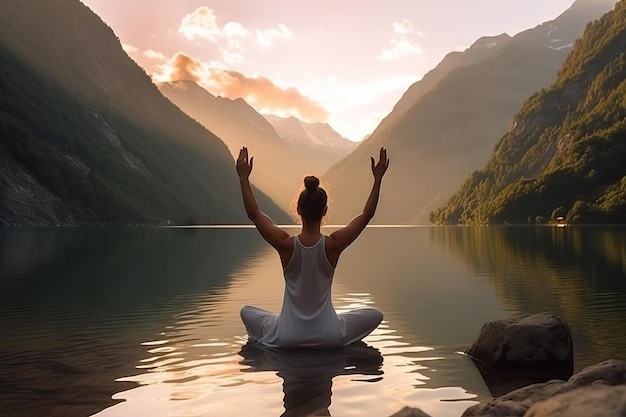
(150, 54)
(267, 37)
(202, 23)
(129, 49)
(404, 42)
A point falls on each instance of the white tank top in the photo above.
(307, 317)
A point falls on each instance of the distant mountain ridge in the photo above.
(85, 136)
(319, 140)
(442, 131)
(564, 153)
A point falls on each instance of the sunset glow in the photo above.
(344, 63)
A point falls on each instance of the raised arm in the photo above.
(273, 234)
(342, 238)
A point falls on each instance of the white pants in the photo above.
(355, 325)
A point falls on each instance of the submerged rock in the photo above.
(540, 341)
(410, 412)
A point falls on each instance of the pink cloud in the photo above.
(180, 67)
(261, 92)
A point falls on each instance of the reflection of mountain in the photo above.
(575, 273)
(77, 304)
(442, 131)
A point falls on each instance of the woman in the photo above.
(307, 317)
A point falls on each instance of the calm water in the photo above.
(145, 321)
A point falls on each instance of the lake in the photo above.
(131, 321)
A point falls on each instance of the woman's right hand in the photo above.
(244, 165)
(379, 168)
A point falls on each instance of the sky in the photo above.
(344, 62)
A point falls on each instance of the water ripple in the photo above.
(153, 315)
(190, 372)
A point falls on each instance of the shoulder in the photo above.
(330, 241)
(287, 243)
(333, 250)
(285, 250)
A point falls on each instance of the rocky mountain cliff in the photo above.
(564, 153)
(86, 137)
(447, 124)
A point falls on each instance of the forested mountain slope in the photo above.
(444, 131)
(86, 137)
(564, 153)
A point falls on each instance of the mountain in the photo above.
(86, 137)
(277, 170)
(317, 140)
(482, 49)
(285, 150)
(564, 153)
(447, 124)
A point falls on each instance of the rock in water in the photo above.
(612, 372)
(525, 341)
(594, 400)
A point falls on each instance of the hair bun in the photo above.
(311, 182)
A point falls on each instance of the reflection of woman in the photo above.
(308, 376)
(307, 317)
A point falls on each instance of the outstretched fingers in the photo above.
(383, 157)
(379, 168)
(244, 163)
(243, 155)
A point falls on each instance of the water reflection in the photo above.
(308, 374)
(575, 272)
(76, 303)
(426, 288)
(200, 363)
(151, 317)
